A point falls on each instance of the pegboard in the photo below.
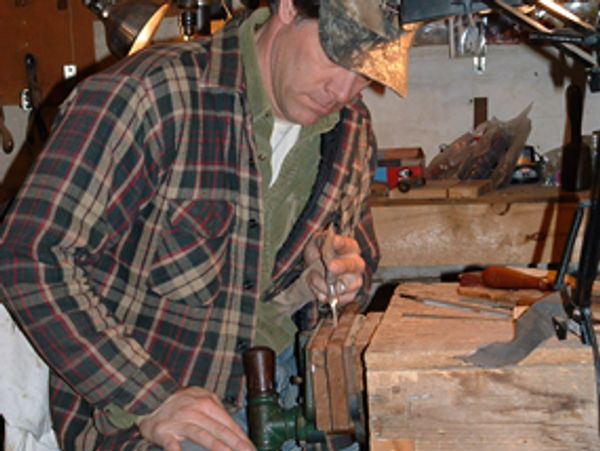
(55, 32)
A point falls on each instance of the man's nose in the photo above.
(345, 86)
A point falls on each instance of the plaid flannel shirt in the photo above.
(131, 255)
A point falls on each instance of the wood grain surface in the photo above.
(492, 229)
(422, 396)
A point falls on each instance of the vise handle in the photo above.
(259, 366)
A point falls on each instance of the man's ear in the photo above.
(287, 11)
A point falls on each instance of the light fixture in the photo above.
(129, 24)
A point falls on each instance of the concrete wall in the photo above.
(16, 121)
(439, 104)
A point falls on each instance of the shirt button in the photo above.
(248, 284)
(262, 157)
(242, 345)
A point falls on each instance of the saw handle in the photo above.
(500, 277)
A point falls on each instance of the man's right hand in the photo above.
(196, 415)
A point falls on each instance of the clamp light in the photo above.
(130, 24)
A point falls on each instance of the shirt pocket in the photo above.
(192, 257)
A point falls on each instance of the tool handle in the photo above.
(259, 366)
(327, 251)
(500, 277)
(327, 254)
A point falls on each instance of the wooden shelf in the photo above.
(517, 226)
(511, 194)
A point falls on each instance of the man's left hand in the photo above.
(345, 265)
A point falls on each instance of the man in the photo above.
(175, 217)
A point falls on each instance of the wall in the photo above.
(439, 107)
(16, 121)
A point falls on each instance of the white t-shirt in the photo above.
(285, 135)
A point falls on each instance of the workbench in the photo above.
(518, 225)
(423, 396)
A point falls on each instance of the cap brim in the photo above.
(388, 64)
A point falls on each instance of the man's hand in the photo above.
(196, 415)
(345, 264)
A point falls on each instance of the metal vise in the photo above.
(269, 424)
(331, 406)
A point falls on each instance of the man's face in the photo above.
(305, 83)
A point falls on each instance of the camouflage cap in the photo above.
(361, 35)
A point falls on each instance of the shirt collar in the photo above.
(257, 96)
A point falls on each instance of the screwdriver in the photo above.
(327, 254)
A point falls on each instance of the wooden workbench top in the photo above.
(423, 396)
